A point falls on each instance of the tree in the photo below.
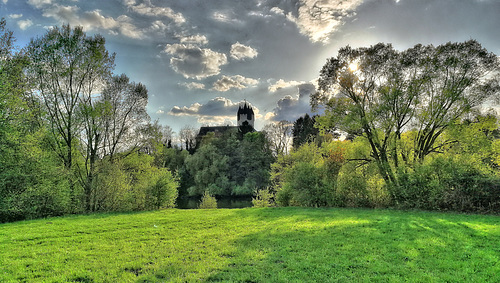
(68, 68)
(168, 136)
(255, 158)
(380, 92)
(32, 182)
(304, 130)
(464, 76)
(279, 136)
(208, 201)
(152, 139)
(187, 137)
(209, 170)
(125, 114)
(163, 193)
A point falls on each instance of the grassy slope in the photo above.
(275, 244)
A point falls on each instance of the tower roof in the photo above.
(245, 109)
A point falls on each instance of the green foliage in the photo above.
(227, 166)
(306, 185)
(308, 176)
(33, 182)
(448, 183)
(163, 193)
(263, 198)
(112, 187)
(208, 169)
(208, 201)
(304, 130)
(362, 186)
(131, 183)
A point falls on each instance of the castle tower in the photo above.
(245, 115)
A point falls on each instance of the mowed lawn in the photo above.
(254, 245)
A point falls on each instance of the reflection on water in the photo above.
(191, 203)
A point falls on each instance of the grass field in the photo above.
(253, 245)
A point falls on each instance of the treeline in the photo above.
(74, 137)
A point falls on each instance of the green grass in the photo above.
(254, 245)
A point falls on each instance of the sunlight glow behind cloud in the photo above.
(320, 19)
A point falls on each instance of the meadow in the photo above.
(253, 245)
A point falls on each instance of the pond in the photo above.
(226, 202)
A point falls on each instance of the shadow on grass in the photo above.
(338, 245)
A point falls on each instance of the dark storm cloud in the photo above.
(291, 107)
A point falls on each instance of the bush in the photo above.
(112, 187)
(163, 193)
(208, 201)
(352, 188)
(447, 183)
(362, 187)
(263, 198)
(306, 185)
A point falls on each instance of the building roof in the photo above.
(218, 129)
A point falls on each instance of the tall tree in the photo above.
(383, 92)
(30, 177)
(304, 130)
(125, 114)
(464, 75)
(68, 68)
(279, 136)
(187, 137)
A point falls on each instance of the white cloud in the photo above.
(158, 26)
(89, 20)
(280, 84)
(5, 1)
(240, 51)
(194, 62)
(225, 16)
(148, 9)
(319, 19)
(277, 10)
(15, 16)
(193, 85)
(239, 82)
(194, 39)
(185, 111)
(24, 24)
(160, 112)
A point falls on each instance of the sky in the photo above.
(200, 59)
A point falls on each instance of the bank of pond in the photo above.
(222, 202)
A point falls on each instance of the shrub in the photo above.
(163, 193)
(263, 198)
(307, 185)
(447, 183)
(208, 201)
(352, 187)
(378, 194)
